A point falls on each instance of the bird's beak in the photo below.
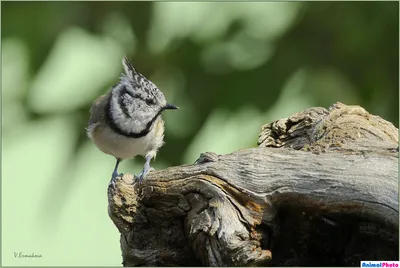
(170, 107)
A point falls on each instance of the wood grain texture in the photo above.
(328, 195)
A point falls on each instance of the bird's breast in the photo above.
(125, 147)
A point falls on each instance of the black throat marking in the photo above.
(117, 129)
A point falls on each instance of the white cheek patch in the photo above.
(141, 114)
(116, 110)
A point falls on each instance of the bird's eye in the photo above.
(149, 101)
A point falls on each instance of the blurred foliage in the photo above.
(230, 67)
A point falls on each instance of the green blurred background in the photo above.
(230, 67)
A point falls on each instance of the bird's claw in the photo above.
(139, 178)
(143, 174)
(116, 175)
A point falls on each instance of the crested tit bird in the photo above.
(126, 121)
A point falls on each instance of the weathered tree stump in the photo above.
(326, 195)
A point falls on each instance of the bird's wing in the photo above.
(98, 109)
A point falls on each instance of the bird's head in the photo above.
(136, 102)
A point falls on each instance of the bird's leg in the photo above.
(146, 169)
(115, 172)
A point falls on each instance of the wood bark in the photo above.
(321, 189)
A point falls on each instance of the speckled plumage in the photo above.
(127, 121)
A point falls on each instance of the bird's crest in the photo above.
(130, 71)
